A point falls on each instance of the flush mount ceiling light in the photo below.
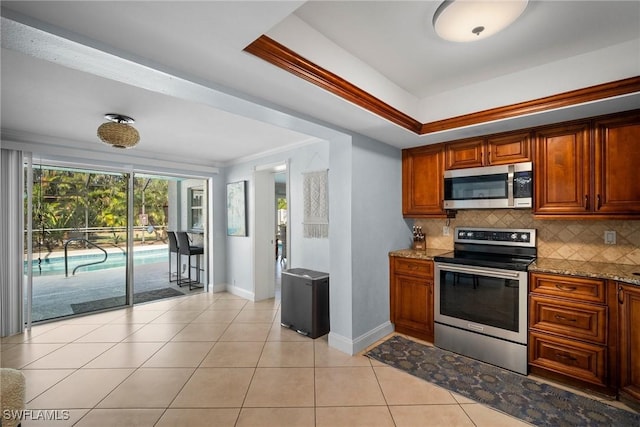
(471, 20)
(117, 132)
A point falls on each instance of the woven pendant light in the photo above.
(118, 132)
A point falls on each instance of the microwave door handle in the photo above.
(510, 174)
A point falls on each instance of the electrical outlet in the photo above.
(609, 237)
(445, 230)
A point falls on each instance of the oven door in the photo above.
(484, 300)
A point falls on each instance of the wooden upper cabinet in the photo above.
(574, 178)
(494, 150)
(509, 148)
(422, 182)
(464, 154)
(617, 165)
(561, 170)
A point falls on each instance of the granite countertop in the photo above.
(599, 270)
(427, 254)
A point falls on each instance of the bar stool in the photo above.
(185, 248)
(173, 248)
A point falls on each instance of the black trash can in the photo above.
(305, 301)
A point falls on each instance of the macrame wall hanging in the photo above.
(316, 204)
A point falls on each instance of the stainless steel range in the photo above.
(481, 295)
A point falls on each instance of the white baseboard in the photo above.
(220, 287)
(234, 290)
(360, 343)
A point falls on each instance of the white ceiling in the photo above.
(179, 69)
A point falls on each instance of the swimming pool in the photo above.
(55, 265)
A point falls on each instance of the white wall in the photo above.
(378, 227)
(306, 253)
(365, 223)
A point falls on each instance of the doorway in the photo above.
(281, 228)
(271, 234)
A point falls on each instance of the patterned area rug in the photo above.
(140, 297)
(517, 395)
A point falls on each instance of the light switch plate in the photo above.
(609, 237)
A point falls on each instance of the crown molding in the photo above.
(279, 55)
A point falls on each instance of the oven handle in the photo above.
(502, 274)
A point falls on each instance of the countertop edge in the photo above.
(626, 273)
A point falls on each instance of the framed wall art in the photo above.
(237, 208)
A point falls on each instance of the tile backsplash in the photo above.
(580, 240)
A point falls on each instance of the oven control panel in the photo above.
(501, 236)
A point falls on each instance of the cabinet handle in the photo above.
(566, 288)
(599, 202)
(565, 356)
(559, 317)
(586, 202)
(489, 157)
(620, 296)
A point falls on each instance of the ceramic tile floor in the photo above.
(218, 360)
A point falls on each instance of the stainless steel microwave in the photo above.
(490, 187)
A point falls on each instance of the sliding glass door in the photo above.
(80, 235)
(151, 255)
(99, 238)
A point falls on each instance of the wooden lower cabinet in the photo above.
(576, 359)
(629, 333)
(412, 297)
(569, 330)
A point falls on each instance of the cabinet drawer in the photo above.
(413, 267)
(576, 288)
(571, 319)
(573, 358)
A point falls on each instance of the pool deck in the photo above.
(53, 295)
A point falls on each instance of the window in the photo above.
(195, 208)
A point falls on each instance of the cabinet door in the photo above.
(422, 182)
(413, 306)
(629, 316)
(464, 154)
(511, 148)
(617, 163)
(561, 171)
